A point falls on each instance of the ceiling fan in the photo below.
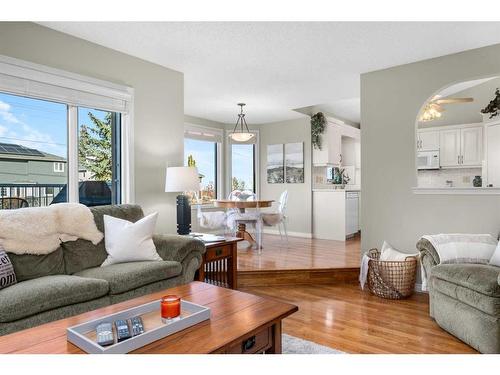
(434, 107)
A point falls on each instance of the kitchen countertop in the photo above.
(333, 190)
(457, 190)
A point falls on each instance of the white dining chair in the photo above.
(279, 218)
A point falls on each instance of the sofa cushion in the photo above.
(81, 254)
(27, 266)
(46, 293)
(123, 277)
(481, 278)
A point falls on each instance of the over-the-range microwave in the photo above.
(428, 159)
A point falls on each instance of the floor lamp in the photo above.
(182, 179)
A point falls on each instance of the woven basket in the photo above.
(391, 279)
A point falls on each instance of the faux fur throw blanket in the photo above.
(39, 230)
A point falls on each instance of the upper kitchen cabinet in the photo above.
(449, 147)
(330, 153)
(331, 150)
(471, 146)
(461, 146)
(427, 140)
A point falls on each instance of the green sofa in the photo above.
(464, 299)
(70, 281)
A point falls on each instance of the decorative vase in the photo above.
(477, 182)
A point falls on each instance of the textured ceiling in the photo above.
(275, 67)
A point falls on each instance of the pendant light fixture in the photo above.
(240, 133)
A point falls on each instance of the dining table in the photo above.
(242, 206)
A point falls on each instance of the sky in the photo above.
(37, 124)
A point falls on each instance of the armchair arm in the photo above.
(428, 255)
(177, 248)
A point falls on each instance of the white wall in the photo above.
(158, 110)
(299, 195)
(390, 102)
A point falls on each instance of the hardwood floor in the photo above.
(300, 254)
(348, 319)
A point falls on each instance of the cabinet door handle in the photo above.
(458, 161)
(340, 157)
(248, 344)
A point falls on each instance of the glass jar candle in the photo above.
(170, 308)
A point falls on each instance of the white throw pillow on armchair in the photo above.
(495, 258)
(129, 242)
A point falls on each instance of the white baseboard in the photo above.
(291, 234)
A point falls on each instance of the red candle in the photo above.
(170, 307)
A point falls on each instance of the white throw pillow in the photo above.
(389, 253)
(129, 242)
(495, 258)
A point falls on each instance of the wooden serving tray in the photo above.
(84, 335)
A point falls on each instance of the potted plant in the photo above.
(493, 108)
(318, 125)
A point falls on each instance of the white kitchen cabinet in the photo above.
(461, 146)
(427, 140)
(335, 214)
(492, 155)
(471, 146)
(330, 153)
(449, 148)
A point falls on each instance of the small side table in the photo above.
(219, 264)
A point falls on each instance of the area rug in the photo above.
(295, 345)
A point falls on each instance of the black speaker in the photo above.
(183, 215)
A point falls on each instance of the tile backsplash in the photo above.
(461, 177)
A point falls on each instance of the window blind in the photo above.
(203, 134)
(37, 81)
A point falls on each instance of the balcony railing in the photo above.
(37, 195)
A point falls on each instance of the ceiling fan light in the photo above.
(241, 137)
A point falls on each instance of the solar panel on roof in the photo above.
(10, 148)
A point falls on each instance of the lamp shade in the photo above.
(241, 137)
(180, 179)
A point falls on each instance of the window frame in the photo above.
(58, 164)
(37, 81)
(218, 140)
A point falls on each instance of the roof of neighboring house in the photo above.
(19, 152)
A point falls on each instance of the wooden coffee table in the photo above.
(239, 323)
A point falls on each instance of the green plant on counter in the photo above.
(318, 125)
(493, 108)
